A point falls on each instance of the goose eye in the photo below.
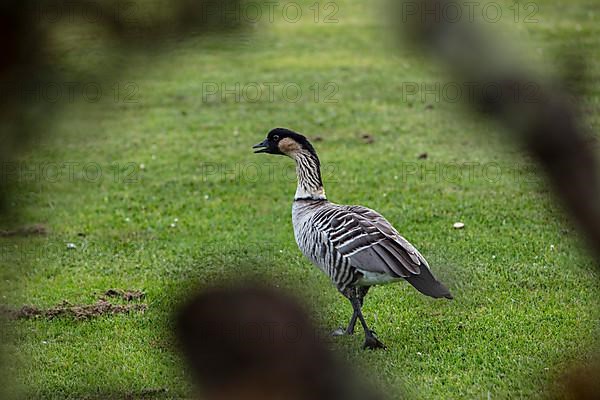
(275, 137)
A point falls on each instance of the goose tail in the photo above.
(426, 283)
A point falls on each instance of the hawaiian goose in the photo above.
(354, 245)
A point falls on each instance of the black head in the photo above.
(283, 141)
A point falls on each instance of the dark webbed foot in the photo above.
(343, 332)
(356, 297)
(338, 332)
(371, 342)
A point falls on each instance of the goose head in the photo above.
(282, 141)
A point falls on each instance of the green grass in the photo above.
(526, 298)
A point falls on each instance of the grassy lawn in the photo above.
(174, 198)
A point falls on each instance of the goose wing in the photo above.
(372, 244)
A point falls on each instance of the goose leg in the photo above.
(349, 330)
(359, 292)
(356, 297)
(351, 324)
(371, 341)
(348, 293)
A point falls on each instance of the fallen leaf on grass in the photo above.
(368, 139)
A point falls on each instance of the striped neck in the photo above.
(308, 172)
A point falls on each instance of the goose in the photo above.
(356, 247)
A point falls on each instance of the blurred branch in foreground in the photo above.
(547, 125)
(582, 382)
(30, 59)
(247, 343)
(30, 31)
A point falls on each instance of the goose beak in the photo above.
(262, 147)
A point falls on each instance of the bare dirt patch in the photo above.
(79, 312)
(32, 230)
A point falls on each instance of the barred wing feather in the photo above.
(372, 244)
